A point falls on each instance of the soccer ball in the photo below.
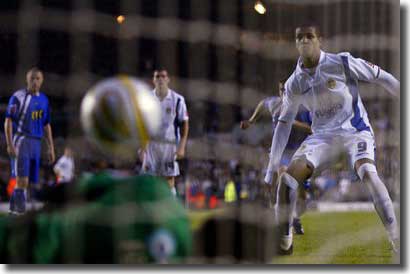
(120, 115)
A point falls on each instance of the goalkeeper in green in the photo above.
(101, 219)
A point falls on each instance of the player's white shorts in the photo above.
(159, 160)
(323, 148)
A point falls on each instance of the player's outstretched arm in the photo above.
(279, 141)
(184, 137)
(389, 83)
(8, 128)
(366, 71)
(50, 143)
(289, 107)
(255, 116)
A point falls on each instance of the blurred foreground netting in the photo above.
(100, 219)
(241, 234)
(224, 58)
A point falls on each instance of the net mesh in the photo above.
(222, 56)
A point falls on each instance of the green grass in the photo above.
(333, 238)
(340, 238)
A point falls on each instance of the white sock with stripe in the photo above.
(381, 199)
(286, 204)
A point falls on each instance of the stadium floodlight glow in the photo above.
(259, 7)
(120, 19)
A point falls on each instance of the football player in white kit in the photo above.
(327, 85)
(272, 104)
(160, 155)
(65, 167)
(301, 123)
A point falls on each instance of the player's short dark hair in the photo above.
(35, 69)
(158, 69)
(311, 24)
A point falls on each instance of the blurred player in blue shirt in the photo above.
(27, 121)
(302, 128)
(273, 106)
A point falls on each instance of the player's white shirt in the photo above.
(272, 104)
(173, 109)
(331, 93)
(65, 167)
(159, 158)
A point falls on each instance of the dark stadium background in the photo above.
(63, 51)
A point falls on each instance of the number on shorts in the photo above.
(362, 146)
(169, 165)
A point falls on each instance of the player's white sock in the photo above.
(300, 208)
(174, 191)
(381, 199)
(286, 203)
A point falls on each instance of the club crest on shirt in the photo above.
(370, 64)
(331, 83)
(168, 110)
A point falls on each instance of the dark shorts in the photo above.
(27, 162)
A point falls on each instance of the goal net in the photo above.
(224, 57)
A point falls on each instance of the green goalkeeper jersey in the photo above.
(109, 219)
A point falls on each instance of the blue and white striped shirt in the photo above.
(29, 113)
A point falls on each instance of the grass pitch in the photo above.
(341, 238)
(333, 238)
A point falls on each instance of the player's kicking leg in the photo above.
(171, 184)
(367, 172)
(301, 207)
(289, 182)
